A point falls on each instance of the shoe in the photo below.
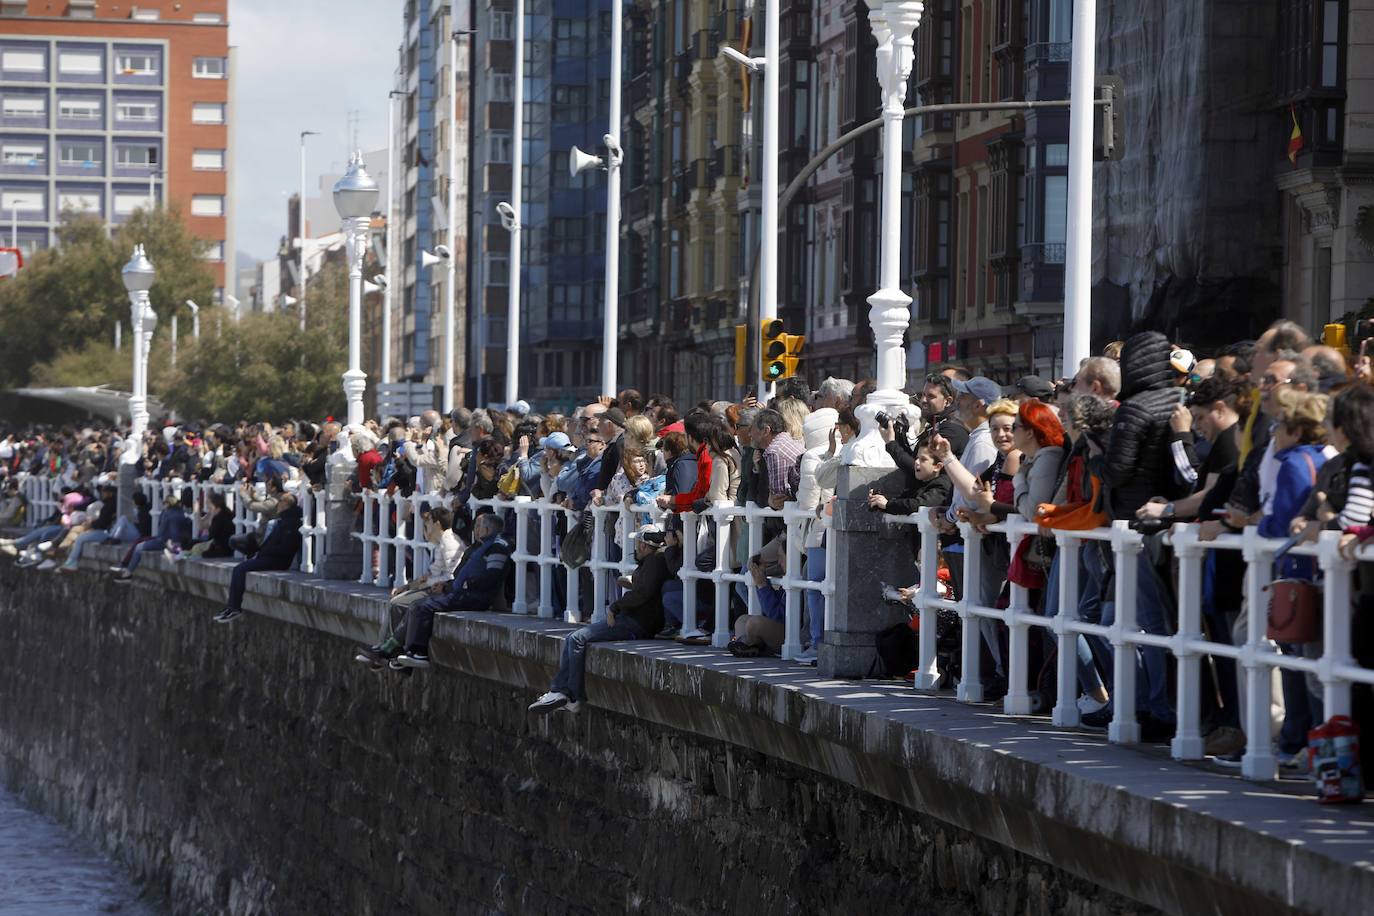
(48, 564)
(572, 706)
(123, 577)
(1155, 731)
(549, 702)
(45, 546)
(1223, 741)
(372, 663)
(64, 568)
(413, 660)
(1099, 719)
(378, 654)
(1088, 705)
(807, 657)
(695, 637)
(625, 582)
(227, 615)
(115, 569)
(9, 549)
(668, 633)
(741, 649)
(1295, 762)
(29, 558)
(6, 542)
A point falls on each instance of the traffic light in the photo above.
(1109, 144)
(779, 350)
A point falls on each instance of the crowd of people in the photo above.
(1276, 433)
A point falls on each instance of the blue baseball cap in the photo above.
(984, 389)
(557, 441)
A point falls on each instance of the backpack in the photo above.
(897, 651)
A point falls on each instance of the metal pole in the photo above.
(768, 229)
(610, 331)
(393, 280)
(517, 195)
(300, 227)
(355, 381)
(119, 336)
(174, 340)
(451, 273)
(1078, 232)
(14, 227)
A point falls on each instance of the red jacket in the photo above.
(682, 502)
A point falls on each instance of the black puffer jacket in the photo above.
(1139, 465)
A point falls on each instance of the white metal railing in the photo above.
(42, 495)
(314, 526)
(391, 528)
(1257, 657)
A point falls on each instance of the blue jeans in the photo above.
(145, 547)
(1089, 681)
(571, 679)
(1152, 607)
(87, 537)
(815, 601)
(123, 531)
(238, 579)
(672, 604)
(38, 536)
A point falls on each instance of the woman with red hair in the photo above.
(1039, 436)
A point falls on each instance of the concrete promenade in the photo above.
(1180, 837)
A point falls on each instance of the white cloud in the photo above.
(304, 65)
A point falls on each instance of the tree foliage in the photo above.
(72, 294)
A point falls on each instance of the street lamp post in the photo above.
(391, 170)
(517, 183)
(138, 279)
(300, 225)
(1078, 231)
(195, 319)
(610, 329)
(355, 197)
(174, 340)
(889, 312)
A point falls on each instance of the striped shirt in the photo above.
(783, 460)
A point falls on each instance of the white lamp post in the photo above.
(1078, 231)
(174, 340)
(391, 169)
(579, 162)
(138, 279)
(511, 215)
(355, 197)
(893, 22)
(300, 221)
(195, 319)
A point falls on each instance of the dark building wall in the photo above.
(257, 769)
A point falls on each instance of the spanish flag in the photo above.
(1295, 143)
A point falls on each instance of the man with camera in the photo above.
(941, 414)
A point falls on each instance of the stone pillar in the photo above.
(868, 554)
(343, 558)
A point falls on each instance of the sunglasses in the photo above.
(596, 441)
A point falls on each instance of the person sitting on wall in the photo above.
(437, 522)
(279, 548)
(637, 614)
(480, 575)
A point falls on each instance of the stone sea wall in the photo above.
(256, 768)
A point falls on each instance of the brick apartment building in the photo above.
(104, 104)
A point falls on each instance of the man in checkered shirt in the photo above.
(781, 456)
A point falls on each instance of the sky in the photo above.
(304, 65)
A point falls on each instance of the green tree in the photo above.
(71, 295)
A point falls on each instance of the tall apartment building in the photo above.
(106, 108)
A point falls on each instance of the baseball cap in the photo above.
(520, 408)
(984, 389)
(556, 441)
(614, 415)
(1032, 386)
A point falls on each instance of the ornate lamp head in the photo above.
(355, 194)
(138, 273)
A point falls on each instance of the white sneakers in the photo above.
(1087, 705)
(550, 701)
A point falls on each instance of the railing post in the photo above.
(721, 637)
(1066, 713)
(1187, 743)
(573, 612)
(971, 662)
(927, 590)
(384, 537)
(545, 555)
(1126, 547)
(1336, 611)
(370, 506)
(522, 542)
(597, 564)
(689, 568)
(791, 640)
(1258, 761)
(1017, 701)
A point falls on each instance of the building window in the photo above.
(501, 87)
(208, 160)
(570, 102)
(80, 63)
(136, 156)
(208, 68)
(1060, 22)
(207, 113)
(208, 18)
(144, 14)
(207, 205)
(498, 147)
(566, 235)
(22, 201)
(1331, 44)
(79, 109)
(136, 63)
(88, 153)
(498, 269)
(127, 201)
(79, 201)
(1056, 213)
(25, 153)
(570, 38)
(136, 111)
(215, 251)
(13, 60)
(24, 106)
(567, 303)
(501, 26)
